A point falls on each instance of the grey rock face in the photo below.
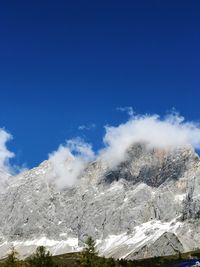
(141, 208)
(166, 244)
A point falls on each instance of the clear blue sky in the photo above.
(68, 63)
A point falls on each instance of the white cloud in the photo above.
(87, 127)
(5, 154)
(171, 132)
(69, 161)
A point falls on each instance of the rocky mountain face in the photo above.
(149, 205)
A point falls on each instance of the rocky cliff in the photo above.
(148, 205)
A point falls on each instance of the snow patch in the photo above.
(72, 242)
(145, 233)
(179, 198)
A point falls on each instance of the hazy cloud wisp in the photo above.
(87, 127)
(128, 110)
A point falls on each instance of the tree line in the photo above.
(87, 258)
(43, 258)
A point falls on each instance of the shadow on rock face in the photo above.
(152, 167)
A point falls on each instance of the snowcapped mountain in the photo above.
(148, 205)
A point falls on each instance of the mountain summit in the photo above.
(148, 205)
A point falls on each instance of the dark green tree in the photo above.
(12, 260)
(108, 263)
(89, 254)
(41, 258)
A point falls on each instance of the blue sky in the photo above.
(69, 63)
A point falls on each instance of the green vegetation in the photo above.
(89, 258)
(12, 260)
(41, 258)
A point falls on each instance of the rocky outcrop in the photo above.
(166, 244)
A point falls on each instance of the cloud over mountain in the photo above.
(170, 132)
(70, 159)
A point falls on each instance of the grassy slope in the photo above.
(70, 260)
